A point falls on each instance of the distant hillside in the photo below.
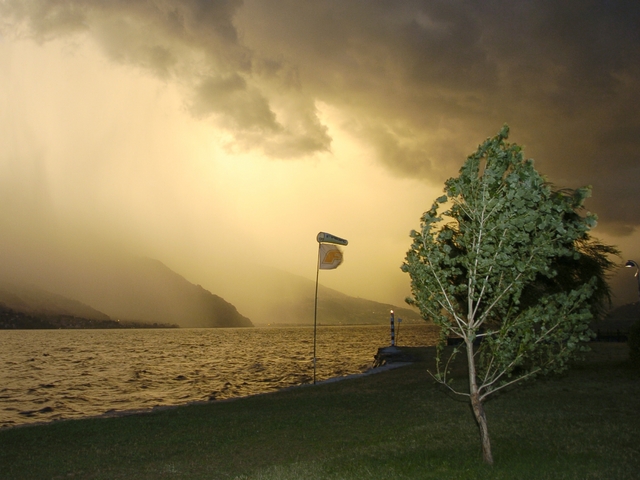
(119, 288)
(337, 308)
(271, 296)
(144, 289)
(29, 307)
(31, 300)
(15, 320)
(126, 288)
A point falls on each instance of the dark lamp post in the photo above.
(630, 264)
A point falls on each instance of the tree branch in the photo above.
(448, 386)
(504, 385)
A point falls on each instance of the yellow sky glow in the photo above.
(118, 157)
(221, 137)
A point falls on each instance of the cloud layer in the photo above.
(418, 83)
(423, 82)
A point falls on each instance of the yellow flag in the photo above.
(330, 256)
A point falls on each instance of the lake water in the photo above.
(55, 374)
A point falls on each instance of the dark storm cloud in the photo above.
(230, 97)
(423, 82)
(196, 44)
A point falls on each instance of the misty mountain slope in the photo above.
(143, 289)
(35, 301)
(140, 289)
(272, 296)
(334, 306)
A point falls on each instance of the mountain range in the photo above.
(270, 296)
(135, 291)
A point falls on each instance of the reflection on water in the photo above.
(53, 374)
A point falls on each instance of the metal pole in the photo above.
(315, 317)
(629, 264)
(393, 333)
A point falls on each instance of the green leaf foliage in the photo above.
(505, 261)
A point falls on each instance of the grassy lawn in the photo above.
(396, 424)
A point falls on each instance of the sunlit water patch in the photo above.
(54, 374)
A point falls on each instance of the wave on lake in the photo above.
(57, 374)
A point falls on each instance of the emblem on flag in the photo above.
(330, 256)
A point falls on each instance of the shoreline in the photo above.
(398, 425)
(161, 408)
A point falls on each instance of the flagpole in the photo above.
(331, 258)
(315, 316)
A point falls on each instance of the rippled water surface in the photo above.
(53, 374)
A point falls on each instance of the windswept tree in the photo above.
(510, 269)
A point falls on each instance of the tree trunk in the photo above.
(478, 411)
(477, 407)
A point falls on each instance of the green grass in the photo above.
(396, 424)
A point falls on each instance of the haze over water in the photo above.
(59, 374)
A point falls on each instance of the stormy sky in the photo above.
(213, 135)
